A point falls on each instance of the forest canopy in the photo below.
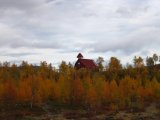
(112, 86)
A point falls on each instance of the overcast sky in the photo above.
(56, 30)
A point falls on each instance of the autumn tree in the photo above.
(114, 68)
(138, 62)
(77, 91)
(44, 90)
(64, 84)
(149, 61)
(100, 62)
(26, 70)
(114, 64)
(45, 70)
(155, 58)
(91, 96)
(24, 92)
(64, 68)
(99, 83)
(9, 92)
(114, 90)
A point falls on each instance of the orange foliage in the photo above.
(31, 85)
(78, 91)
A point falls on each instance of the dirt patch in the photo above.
(151, 112)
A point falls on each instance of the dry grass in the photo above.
(151, 112)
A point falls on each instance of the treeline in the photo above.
(114, 87)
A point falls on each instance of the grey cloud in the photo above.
(18, 54)
(127, 12)
(132, 43)
(37, 44)
(20, 4)
(82, 25)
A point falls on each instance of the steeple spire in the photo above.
(80, 56)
